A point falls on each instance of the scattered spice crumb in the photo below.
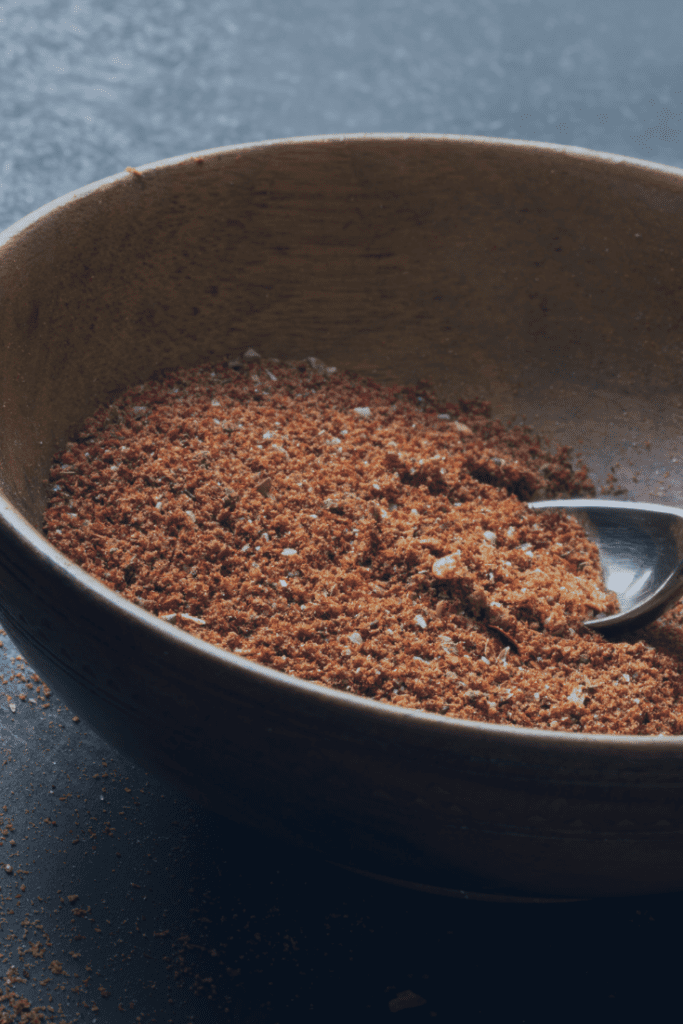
(406, 1001)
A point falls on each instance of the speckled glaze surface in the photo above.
(546, 279)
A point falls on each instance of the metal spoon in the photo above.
(641, 553)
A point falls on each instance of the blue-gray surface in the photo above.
(88, 88)
(184, 917)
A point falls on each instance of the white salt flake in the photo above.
(356, 638)
(363, 411)
(319, 365)
(192, 618)
(445, 567)
(289, 551)
(420, 621)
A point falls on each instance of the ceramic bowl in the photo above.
(544, 278)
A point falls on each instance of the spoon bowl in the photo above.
(641, 554)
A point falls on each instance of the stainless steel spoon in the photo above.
(641, 553)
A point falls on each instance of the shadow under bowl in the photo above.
(543, 278)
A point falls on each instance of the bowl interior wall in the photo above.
(547, 282)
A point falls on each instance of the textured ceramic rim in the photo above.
(62, 564)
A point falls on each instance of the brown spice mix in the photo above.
(365, 537)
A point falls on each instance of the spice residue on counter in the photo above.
(369, 538)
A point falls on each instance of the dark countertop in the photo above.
(181, 916)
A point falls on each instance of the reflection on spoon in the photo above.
(627, 584)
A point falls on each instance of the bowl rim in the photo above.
(598, 156)
(28, 535)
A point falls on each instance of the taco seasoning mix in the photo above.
(365, 537)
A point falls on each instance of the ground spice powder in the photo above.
(365, 537)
